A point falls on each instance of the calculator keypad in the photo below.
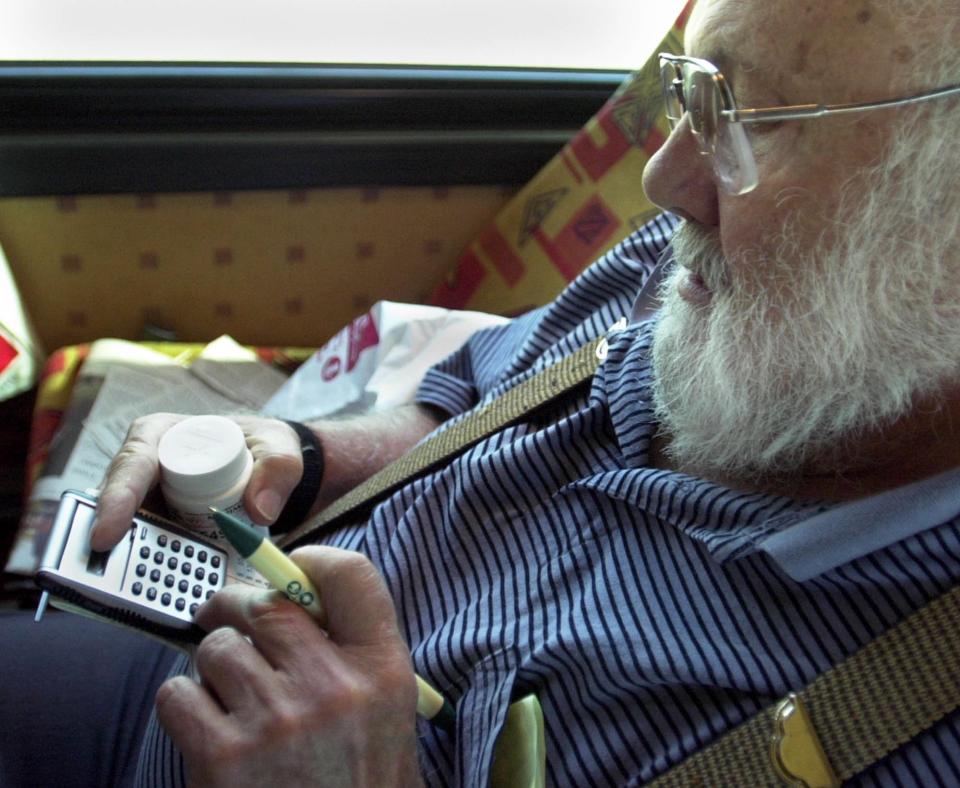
(165, 580)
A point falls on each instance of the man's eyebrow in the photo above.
(719, 56)
(710, 45)
(730, 62)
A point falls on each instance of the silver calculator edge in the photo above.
(53, 581)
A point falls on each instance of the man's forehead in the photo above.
(734, 35)
(713, 25)
(791, 42)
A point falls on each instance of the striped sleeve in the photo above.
(447, 391)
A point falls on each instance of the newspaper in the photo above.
(118, 382)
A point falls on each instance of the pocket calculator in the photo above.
(154, 579)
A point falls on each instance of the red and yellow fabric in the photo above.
(583, 202)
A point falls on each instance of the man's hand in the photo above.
(282, 702)
(135, 470)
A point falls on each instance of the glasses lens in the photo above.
(703, 104)
(699, 91)
(671, 84)
(733, 161)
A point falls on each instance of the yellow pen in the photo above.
(284, 575)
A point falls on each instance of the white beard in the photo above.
(772, 381)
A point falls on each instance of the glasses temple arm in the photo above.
(801, 111)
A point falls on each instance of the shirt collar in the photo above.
(647, 303)
(851, 530)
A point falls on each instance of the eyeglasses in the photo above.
(696, 88)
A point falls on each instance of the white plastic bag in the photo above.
(376, 362)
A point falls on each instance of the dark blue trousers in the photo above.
(75, 696)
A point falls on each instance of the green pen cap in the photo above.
(242, 536)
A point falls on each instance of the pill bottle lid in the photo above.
(203, 455)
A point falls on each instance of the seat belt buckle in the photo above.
(795, 749)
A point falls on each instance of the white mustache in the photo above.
(698, 249)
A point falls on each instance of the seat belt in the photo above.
(545, 386)
(851, 716)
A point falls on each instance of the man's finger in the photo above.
(282, 631)
(358, 606)
(191, 718)
(133, 471)
(239, 675)
(276, 470)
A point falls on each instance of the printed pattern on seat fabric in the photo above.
(583, 202)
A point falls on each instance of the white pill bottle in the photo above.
(204, 462)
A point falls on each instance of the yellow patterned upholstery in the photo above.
(266, 267)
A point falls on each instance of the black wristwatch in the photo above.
(305, 493)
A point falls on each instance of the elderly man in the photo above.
(754, 485)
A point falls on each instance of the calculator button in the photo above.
(210, 594)
(168, 581)
(188, 551)
(137, 588)
(215, 561)
(197, 591)
(151, 593)
(180, 604)
(184, 586)
(144, 552)
(166, 599)
(172, 562)
(185, 567)
(158, 558)
(193, 608)
(141, 570)
(155, 575)
(202, 556)
(214, 577)
(162, 540)
(175, 545)
(199, 573)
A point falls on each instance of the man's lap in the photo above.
(75, 696)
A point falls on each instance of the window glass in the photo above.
(593, 34)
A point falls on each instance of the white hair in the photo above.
(862, 327)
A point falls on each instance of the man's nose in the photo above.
(680, 179)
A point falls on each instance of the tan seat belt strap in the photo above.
(534, 392)
(897, 686)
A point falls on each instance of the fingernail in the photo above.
(96, 539)
(269, 503)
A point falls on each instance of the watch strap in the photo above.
(305, 493)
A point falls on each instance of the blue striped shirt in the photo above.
(649, 610)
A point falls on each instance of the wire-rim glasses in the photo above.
(696, 87)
